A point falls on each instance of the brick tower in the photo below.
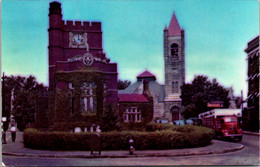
(76, 61)
(174, 63)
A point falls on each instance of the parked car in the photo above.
(184, 122)
(179, 122)
(164, 121)
(195, 120)
(189, 122)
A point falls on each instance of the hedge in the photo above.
(152, 127)
(191, 136)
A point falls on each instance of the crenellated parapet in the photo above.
(82, 26)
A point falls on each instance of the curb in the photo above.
(125, 156)
(251, 133)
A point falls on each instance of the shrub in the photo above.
(110, 120)
(151, 127)
(185, 128)
(171, 138)
(55, 140)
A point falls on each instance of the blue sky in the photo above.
(216, 34)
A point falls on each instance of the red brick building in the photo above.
(251, 114)
(78, 64)
(136, 109)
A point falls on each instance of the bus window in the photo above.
(231, 119)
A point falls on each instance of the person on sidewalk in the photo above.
(13, 133)
(3, 137)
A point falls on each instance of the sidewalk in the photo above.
(251, 133)
(216, 147)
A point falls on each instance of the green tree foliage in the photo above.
(123, 84)
(110, 120)
(201, 91)
(26, 90)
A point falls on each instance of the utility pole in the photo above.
(242, 100)
(3, 120)
(3, 94)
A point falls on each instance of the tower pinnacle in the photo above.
(174, 28)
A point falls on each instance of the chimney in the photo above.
(145, 87)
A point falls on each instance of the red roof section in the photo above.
(132, 98)
(145, 74)
(174, 28)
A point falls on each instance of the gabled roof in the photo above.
(132, 98)
(154, 87)
(131, 88)
(146, 74)
(174, 28)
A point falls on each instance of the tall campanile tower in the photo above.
(174, 64)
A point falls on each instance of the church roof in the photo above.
(132, 98)
(146, 74)
(174, 28)
(137, 87)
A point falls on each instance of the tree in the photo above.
(111, 120)
(5, 106)
(26, 91)
(201, 91)
(123, 84)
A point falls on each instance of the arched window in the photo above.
(175, 87)
(87, 98)
(174, 50)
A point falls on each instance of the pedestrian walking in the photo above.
(13, 133)
(3, 137)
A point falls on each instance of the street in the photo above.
(247, 156)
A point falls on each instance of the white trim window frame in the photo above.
(86, 97)
(132, 114)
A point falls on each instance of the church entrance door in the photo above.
(175, 113)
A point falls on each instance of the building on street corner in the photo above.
(251, 114)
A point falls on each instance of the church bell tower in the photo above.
(174, 64)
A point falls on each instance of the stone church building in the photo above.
(167, 101)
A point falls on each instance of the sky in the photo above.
(216, 35)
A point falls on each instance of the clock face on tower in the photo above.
(78, 39)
